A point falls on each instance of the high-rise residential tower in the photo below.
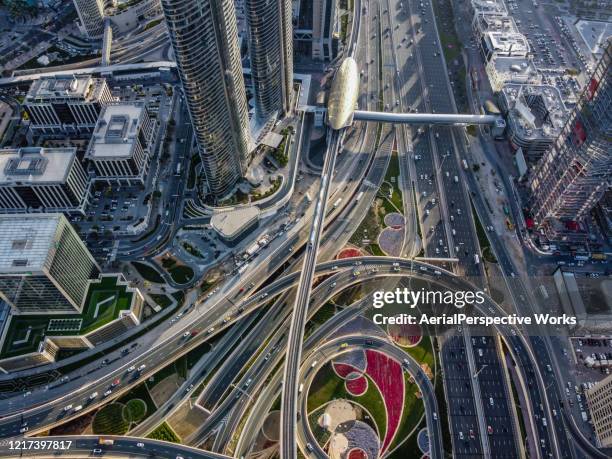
(204, 37)
(91, 14)
(575, 173)
(270, 31)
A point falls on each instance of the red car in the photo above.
(490, 430)
(116, 382)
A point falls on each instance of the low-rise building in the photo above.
(66, 104)
(233, 225)
(45, 268)
(485, 22)
(494, 44)
(492, 7)
(36, 179)
(535, 115)
(119, 149)
(502, 70)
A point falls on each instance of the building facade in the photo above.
(119, 149)
(270, 32)
(36, 179)
(44, 265)
(205, 41)
(91, 15)
(324, 22)
(600, 406)
(535, 116)
(576, 172)
(66, 104)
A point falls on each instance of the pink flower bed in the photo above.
(343, 370)
(357, 385)
(387, 374)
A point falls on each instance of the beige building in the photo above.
(600, 406)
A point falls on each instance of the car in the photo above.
(461, 436)
(93, 395)
(107, 393)
(490, 430)
(97, 451)
(142, 367)
(67, 407)
(491, 402)
(23, 430)
(116, 382)
(130, 369)
(472, 436)
(140, 445)
(186, 334)
(309, 447)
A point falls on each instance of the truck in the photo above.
(106, 441)
(464, 163)
(242, 268)
(264, 240)
(337, 203)
(359, 196)
(252, 250)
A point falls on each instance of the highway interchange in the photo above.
(432, 152)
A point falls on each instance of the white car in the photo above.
(142, 367)
(92, 396)
(108, 392)
(67, 407)
(23, 430)
(132, 368)
(140, 445)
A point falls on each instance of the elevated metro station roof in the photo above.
(343, 95)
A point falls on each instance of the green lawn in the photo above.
(141, 393)
(412, 414)
(109, 420)
(327, 386)
(134, 411)
(483, 239)
(148, 273)
(181, 274)
(115, 299)
(164, 432)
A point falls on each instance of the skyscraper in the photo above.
(91, 15)
(270, 32)
(575, 173)
(44, 265)
(205, 41)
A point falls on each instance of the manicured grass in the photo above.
(483, 240)
(109, 420)
(148, 273)
(134, 411)
(195, 161)
(141, 393)
(164, 432)
(392, 177)
(161, 299)
(327, 386)
(181, 274)
(38, 325)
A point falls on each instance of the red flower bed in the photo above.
(357, 453)
(343, 370)
(407, 335)
(387, 374)
(356, 386)
(349, 252)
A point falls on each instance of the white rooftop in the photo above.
(231, 223)
(80, 87)
(489, 6)
(487, 22)
(509, 44)
(36, 165)
(25, 241)
(116, 131)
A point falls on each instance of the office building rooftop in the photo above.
(35, 165)
(116, 131)
(77, 87)
(507, 44)
(486, 22)
(26, 240)
(489, 6)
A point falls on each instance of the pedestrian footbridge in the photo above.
(342, 102)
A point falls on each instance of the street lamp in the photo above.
(475, 375)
